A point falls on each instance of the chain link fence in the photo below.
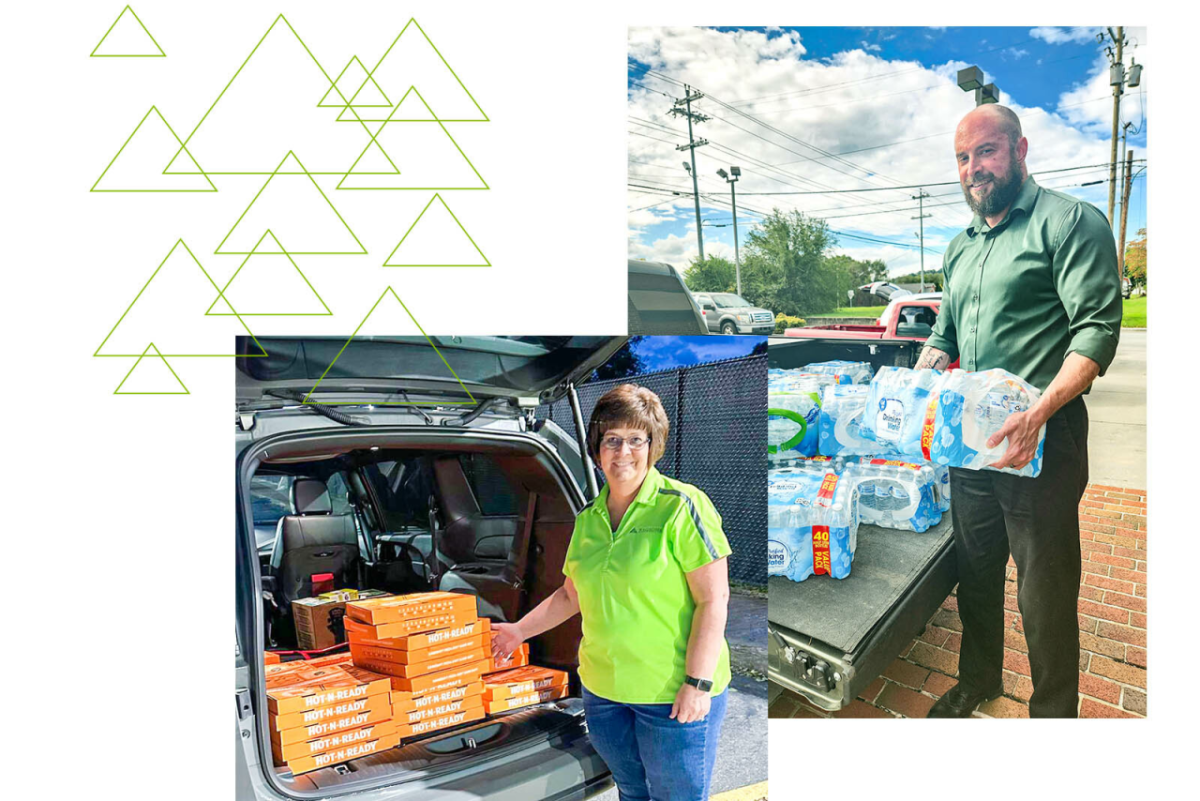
(718, 442)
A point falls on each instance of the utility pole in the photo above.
(921, 215)
(1125, 208)
(1116, 76)
(686, 111)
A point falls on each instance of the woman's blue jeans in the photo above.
(654, 758)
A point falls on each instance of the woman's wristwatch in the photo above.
(703, 685)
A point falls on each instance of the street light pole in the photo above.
(737, 259)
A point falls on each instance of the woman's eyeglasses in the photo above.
(634, 443)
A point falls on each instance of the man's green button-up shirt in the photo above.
(1039, 285)
(634, 597)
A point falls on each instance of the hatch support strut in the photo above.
(581, 437)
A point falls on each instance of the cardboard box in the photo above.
(334, 712)
(332, 660)
(422, 668)
(521, 681)
(289, 673)
(325, 728)
(442, 680)
(518, 658)
(403, 703)
(320, 621)
(326, 691)
(430, 725)
(384, 636)
(527, 699)
(398, 656)
(306, 764)
(465, 704)
(397, 608)
(343, 739)
(270, 658)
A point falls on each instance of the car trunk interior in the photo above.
(484, 513)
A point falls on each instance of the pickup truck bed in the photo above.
(856, 626)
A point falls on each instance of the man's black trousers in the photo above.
(1037, 519)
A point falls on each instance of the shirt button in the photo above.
(974, 297)
(972, 329)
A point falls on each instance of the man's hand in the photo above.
(506, 638)
(1021, 430)
(690, 705)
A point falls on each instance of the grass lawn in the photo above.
(854, 311)
(1134, 313)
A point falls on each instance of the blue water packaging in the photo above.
(894, 494)
(970, 408)
(812, 523)
(793, 412)
(897, 400)
(841, 415)
(845, 372)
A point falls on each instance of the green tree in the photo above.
(931, 277)
(785, 266)
(714, 274)
(850, 274)
(1135, 259)
(625, 363)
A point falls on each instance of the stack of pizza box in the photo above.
(327, 711)
(520, 687)
(432, 647)
(518, 658)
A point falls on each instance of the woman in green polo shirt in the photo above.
(646, 569)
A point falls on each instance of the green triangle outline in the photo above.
(242, 66)
(382, 295)
(368, 79)
(374, 138)
(378, 64)
(137, 297)
(446, 206)
(118, 391)
(296, 267)
(113, 160)
(160, 54)
(316, 186)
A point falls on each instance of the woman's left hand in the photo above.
(690, 705)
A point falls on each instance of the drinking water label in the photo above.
(896, 402)
(890, 422)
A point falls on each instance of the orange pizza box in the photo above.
(334, 712)
(325, 728)
(525, 699)
(270, 658)
(403, 703)
(518, 658)
(357, 629)
(422, 668)
(442, 680)
(380, 653)
(521, 681)
(305, 764)
(395, 608)
(325, 691)
(386, 636)
(287, 752)
(415, 716)
(333, 660)
(430, 725)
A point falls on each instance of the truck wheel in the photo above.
(728, 328)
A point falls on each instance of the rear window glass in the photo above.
(402, 488)
(492, 489)
(271, 498)
(915, 321)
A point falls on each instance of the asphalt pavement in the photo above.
(1117, 417)
(742, 754)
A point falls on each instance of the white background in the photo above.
(118, 666)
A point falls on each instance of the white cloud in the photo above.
(872, 47)
(1053, 35)
(1083, 105)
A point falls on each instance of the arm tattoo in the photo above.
(932, 358)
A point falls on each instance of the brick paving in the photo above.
(1112, 632)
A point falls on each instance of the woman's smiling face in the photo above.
(625, 467)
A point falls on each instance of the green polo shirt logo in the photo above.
(633, 593)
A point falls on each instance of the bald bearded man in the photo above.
(1031, 286)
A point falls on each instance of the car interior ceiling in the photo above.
(489, 521)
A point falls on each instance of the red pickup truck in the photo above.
(909, 320)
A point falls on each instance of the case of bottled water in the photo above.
(812, 523)
(896, 405)
(895, 494)
(941, 472)
(845, 372)
(842, 408)
(793, 412)
(970, 408)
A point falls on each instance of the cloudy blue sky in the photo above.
(819, 109)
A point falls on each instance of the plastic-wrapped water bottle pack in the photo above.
(841, 413)
(845, 372)
(970, 408)
(896, 406)
(895, 494)
(812, 523)
(793, 411)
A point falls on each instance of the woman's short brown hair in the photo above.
(630, 406)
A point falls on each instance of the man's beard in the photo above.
(1004, 191)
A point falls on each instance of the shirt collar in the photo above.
(646, 494)
(1026, 198)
